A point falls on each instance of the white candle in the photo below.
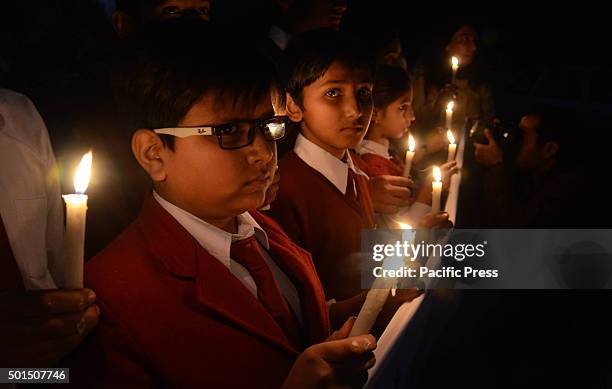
(449, 114)
(76, 210)
(436, 190)
(377, 296)
(455, 66)
(452, 145)
(409, 155)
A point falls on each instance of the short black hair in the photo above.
(392, 82)
(171, 66)
(310, 55)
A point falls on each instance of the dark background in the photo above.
(552, 53)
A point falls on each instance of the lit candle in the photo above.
(409, 155)
(455, 66)
(76, 209)
(436, 190)
(377, 296)
(449, 114)
(452, 146)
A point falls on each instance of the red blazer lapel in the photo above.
(220, 291)
(297, 264)
(217, 288)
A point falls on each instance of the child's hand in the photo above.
(38, 329)
(390, 193)
(448, 169)
(339, 362)
(272, 190)
(424, 193)
(435, 221)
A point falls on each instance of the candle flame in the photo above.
(450, 106)
(405, 226)
(83, 173)
(437, 174)
(411, 143)
(450, 136)
(455, 61)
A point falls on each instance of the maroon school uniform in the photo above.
(378, 161)
(320, 218)
(172, 315)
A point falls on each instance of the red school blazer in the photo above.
(172, 315)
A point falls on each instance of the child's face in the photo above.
(337, 109)
(396, 119)
(213, 183)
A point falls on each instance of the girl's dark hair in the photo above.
(392, 82)
(436, 61)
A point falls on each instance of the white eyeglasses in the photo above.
(234, 135)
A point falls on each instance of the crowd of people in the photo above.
(233, 177)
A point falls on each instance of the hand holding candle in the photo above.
(452, 146)
(436, 190)
(455, 67)
(409, 155)
(377, 296)
(76, 210)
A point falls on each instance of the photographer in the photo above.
(540, 186)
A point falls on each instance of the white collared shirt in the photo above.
(30, 202)
(371, 147)
(218, 243)
(279, 36)
(329, 166)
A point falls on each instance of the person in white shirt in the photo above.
(40, 324)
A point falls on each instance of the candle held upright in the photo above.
(452, 145)
(455, 67)
(436, 190)
(76, 212)
(409, 155)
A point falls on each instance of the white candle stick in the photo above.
(409, 155)
(76, 210)
(449, 114)
(452, 145)
(436, 190)
(455, 67)
(377, 296)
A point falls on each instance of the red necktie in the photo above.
(351, 186)
(248, 253)
(10, 277)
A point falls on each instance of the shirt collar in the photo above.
(371, 147)
(280, 37)
(213, 239)
(335, 170)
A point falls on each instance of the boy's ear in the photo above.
(149, 151)
(293, 110)
(123, 23)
